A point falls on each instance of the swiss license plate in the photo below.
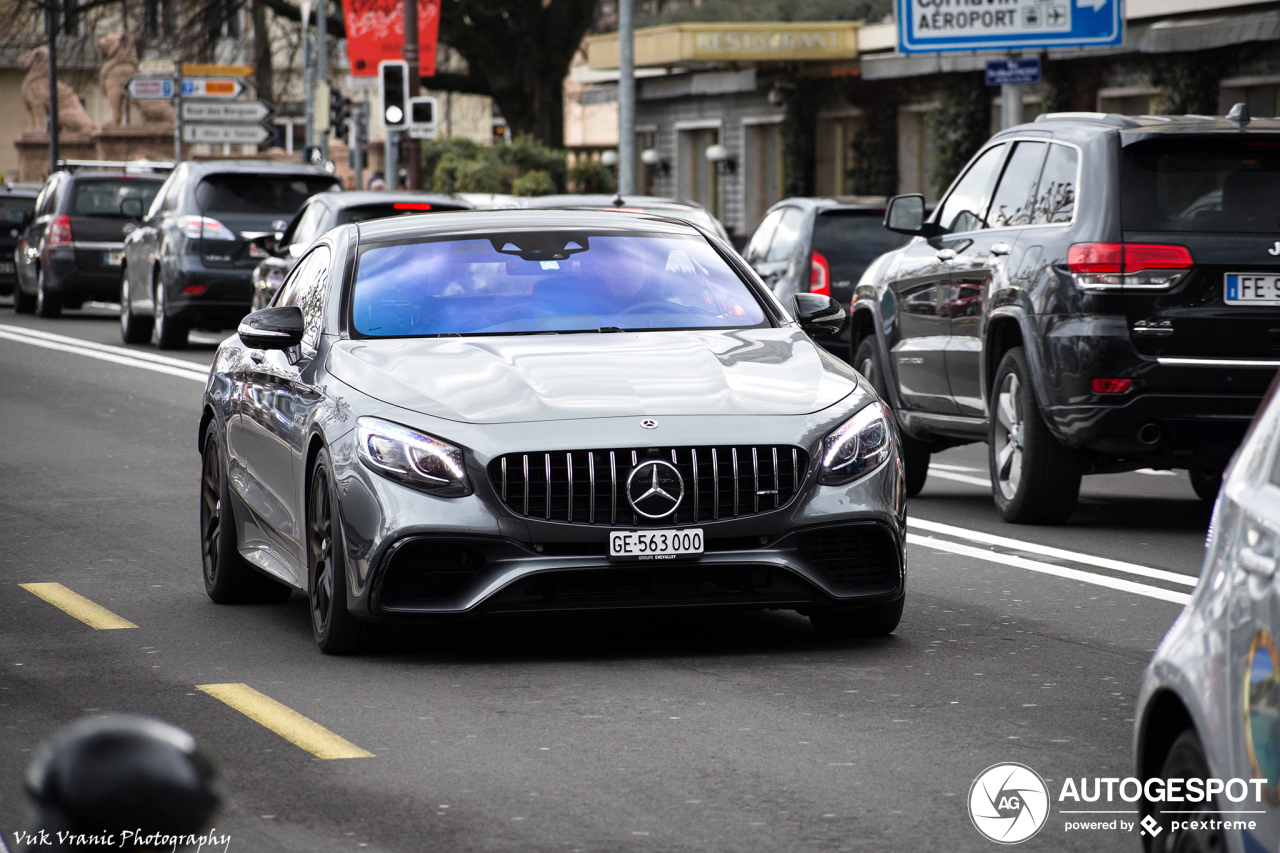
(654, 544)
(6, 267)
(113, 259)
(1251, 288)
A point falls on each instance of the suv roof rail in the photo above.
(1112, 119)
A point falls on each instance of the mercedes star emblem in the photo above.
(655, 488)
(649, 423)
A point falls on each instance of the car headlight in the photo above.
(411, 457)
(860, 445)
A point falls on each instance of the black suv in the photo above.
(190, 262)
(820, 245)
(1095, 293)
(71, 250)
(17, 209)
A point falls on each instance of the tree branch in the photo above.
(285, 9)
(466, 83)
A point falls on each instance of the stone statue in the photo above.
(119, 52)
(35, 94)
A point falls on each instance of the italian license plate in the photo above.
(654, 544)
(113, 259)
(1249, 288)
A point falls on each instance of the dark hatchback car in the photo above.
(820, 245)
(1095, 293)
(190, 262)
(71, 251)
(329, 210)
(17, 209)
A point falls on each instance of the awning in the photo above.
(1178, 36)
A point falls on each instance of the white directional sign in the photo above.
(932, 26)
(150, 88)
(211, 87)
(225, 111)
(223, 134)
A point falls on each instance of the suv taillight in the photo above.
(819, 274)
(1118, 266)
(60, 231)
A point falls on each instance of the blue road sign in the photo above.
(934, 26)
(1006, 72)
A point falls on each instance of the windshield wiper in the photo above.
(610, 329)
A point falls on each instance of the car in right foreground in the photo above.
(1209, 704)
(525, 411)
(1095, 293)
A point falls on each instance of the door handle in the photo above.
(1000, 249)
(946, 254)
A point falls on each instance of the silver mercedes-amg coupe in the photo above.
(520, 411)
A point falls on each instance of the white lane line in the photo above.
(933, 465)
(1156, 473)
(1049, 551)
(1047, 569)
(118, 350)
(184, 372)
(959, 478)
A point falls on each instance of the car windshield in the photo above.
(102, 196)
(548, 281)
(240, 192)
(1202, 185)
(365, 212)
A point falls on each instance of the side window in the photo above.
(962, 211)
(308, 226)
(44, 204)
(787, 235)
(306, 289)
(758, 248)
(1055, 199)
(1011, 203)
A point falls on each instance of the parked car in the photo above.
(687, 211)
(820, 245)
(17, 209)
(329, 210)
(190, 261)
(1095, 293)
(1207, 706)
(562, 411)
(71, 251)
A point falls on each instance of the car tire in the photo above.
(47, 304)
(1035, 479)
(23, 303)
(228, 578)
(1206, 483)
(878, 621)
(336, 631)
(134, 328)
(915, 453)
(166, 332)
(1186, 760)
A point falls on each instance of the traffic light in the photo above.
(393, 86)
(339, 113)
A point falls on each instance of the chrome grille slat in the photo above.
(562, 489)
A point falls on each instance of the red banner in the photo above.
(375, 32)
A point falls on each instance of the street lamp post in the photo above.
(412, 152)
(626, 98)
(322, 65)
(51, 21)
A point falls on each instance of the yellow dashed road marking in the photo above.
(284, 721)
(93, 615)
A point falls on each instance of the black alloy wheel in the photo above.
(23, 303)
(166, 332)
(1206, 482)
(877, 621)
(915, 453)
(336, 631)
(1035, 479)
(47, 305)
(228, 579)
(134, 329)
(1186, 760)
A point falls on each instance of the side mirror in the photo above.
(272, 328)
(131, 207)
(905, 214)
(817, 314)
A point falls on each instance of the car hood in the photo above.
(561, 377)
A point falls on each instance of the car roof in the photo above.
(859, 204)
(128, 176)
(255, 166)
(604, 200)
(356, 198)
(462, 223)
(1136, 128)
(25, 190)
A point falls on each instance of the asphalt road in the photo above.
(734, 733)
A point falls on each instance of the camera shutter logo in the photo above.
(1008, 803)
